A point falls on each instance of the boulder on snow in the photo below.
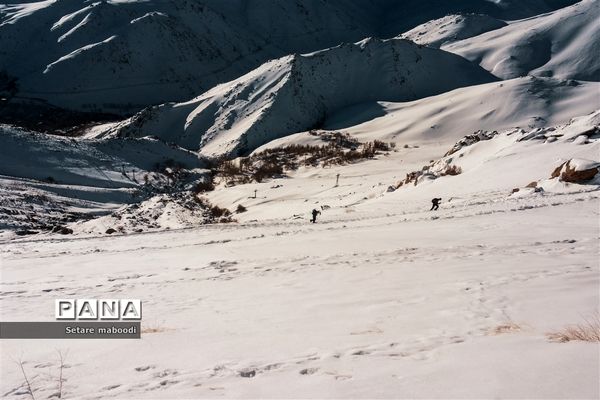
(576, 170)
(63, 230)
(24, 232)
(581, 139)
(248, 373)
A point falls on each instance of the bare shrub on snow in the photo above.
(28, 382)
(204, 186)
(214, 213)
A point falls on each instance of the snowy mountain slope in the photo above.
(518, 157)
(562, 44)
(89, 162)
(298, 92)
(379, 298)
(47, 181)
(401, 16)
(452, 28)
(400, 296)
(394, 300)
(441, 120)
(119, 56)
(513, 158)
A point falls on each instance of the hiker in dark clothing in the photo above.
(314, 214)
(435, 203)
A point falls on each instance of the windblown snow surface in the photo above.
(381, 297)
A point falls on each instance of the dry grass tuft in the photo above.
(588, 331)
(155, 329)
(509, 327)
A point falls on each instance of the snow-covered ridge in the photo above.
(171, 51)
(562, 44)
(298, 92)
(157, 51)
(452, 28)
(443, 119)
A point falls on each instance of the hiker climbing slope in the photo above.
(314, 215)
(435, 203)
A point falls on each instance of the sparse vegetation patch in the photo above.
(339, 149)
